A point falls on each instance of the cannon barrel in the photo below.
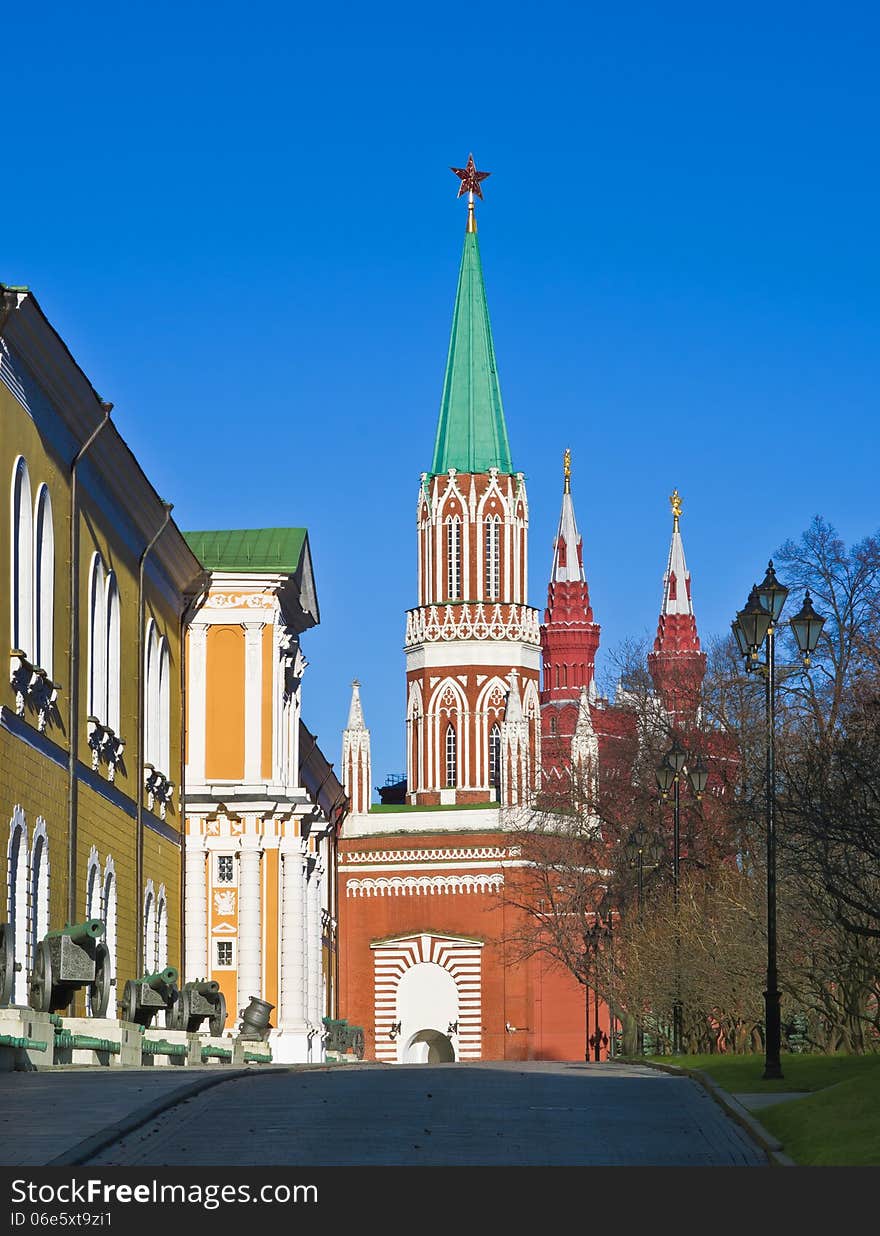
(80, 933)
(205, 987)
(161, 978)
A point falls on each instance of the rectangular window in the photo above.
(493, 559)
(224, 872)
(454, 559)
(224, 954)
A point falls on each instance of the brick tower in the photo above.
(578, 726)
(425, 961)
(677, 664)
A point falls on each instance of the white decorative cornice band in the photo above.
(423, 886)
(245, 600)
(453, 854)
(469, 620)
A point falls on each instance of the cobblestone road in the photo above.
(453, 1115)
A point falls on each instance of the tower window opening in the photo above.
(454, 559)
(495, 755)
(493, 558)
(451, 757)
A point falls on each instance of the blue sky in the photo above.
(242, 222)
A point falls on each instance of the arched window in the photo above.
(17, 900)
(453, 557)
(39, 886)
(44, 581)
(161, 929)
(109, 907)
(93, 886)
(553, 726)
(495, 755)
(151, 677)
(149, 954)
(111, 710)
(163, 708)
(451, 757)
(94, 907)
(97, 640)
(493, 558)
(22, 560)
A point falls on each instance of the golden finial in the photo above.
(675, 500)
(566, 469)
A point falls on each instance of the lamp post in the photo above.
(601, 928)
(675, 762)
(753, 628)
(644, 851)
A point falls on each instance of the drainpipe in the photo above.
(191, 607)
(73, 669)
(139, 788)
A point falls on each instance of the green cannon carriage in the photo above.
(68, 959)
(142, 998)
(197, 1000)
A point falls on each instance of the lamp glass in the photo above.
(677, 756)
(665, 775)
(754, 620)
(739, 636)
(807, 626)
(771, 593)
(698, 775)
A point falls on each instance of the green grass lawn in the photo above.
(836, 1124)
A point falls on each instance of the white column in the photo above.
(196, 892)
(197, 687)
(291, 1015)
(313, 921)
(250, 935)
(253, 702)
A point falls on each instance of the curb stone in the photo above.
(80, 1153)
(771, 1145)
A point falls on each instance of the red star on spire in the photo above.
(470, 178)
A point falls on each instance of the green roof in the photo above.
(273, 550)
(471, 434)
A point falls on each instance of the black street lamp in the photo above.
(644, 851)
(669, 773)
(754, 626)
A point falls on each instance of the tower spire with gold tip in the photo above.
(471, 433)
(470, 184)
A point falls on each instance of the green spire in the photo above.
(471, 434)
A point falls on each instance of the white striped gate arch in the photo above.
(461, 959)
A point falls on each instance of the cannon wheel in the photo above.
(172, 1010)
(99, 989)
(7, 964)
(218, 1018)
(128, 1004)
(186, 1019)
(40, 986)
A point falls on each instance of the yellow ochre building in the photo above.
(96, 581)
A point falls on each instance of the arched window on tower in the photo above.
(451, 757)
(553, 727)
(495, 756)
(44, 581)
(453, 557)
(493, 558)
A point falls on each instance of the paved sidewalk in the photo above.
(45, 1113)
(452, 1115)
